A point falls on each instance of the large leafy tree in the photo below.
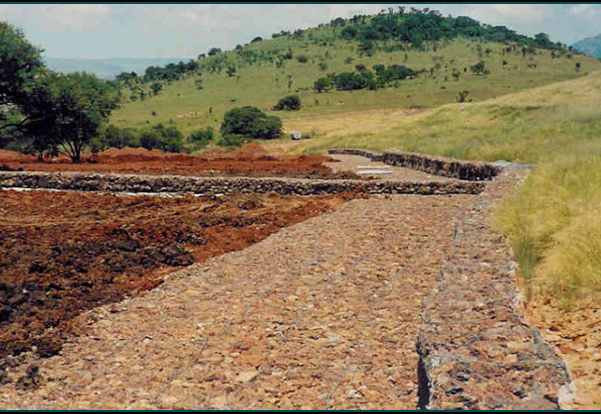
(81, 102)
(20, 64)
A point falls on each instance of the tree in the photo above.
(20, 62)
(251, 122)
(156, 87)
(322, 85)
(231, 71)
(202, 136)
(288, 103)
(462, 97)
(67, 110)
(479, 68)
(214, 51)
(167, 139)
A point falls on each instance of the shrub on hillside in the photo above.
(233, 140)
(115, 137)
(323, 85)
(479, 68)
(202, 136)
(167, 139)
(251, 122)
(288, 103)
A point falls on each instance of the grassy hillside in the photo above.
(263, 83)
(537, 105)
(554, 222)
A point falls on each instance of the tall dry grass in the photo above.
(554, 220)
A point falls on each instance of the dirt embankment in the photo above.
(64, 253)
(250, 161)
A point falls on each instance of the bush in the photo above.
(288, 103)
(167, 139)
(202, 136)
(302, 59)
(233, 140)
(267, 128)
(251, 122)
(322, 85)
(479, 68)
(115, 137)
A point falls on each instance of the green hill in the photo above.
(591, 46)
(441, 51)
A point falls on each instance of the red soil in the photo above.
(63, 253)
(250, 160)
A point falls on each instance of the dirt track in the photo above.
(323, 314)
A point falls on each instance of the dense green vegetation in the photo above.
(249, 122)
(364, 79)
(41, 111)
(288, 103)
(415, 27)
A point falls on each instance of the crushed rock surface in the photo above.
(323, 314)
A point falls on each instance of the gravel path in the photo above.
(323, 314)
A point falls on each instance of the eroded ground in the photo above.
(323, 314)
(251, 161)
(62, 253)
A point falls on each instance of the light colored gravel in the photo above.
(323, 314)
(353, 162)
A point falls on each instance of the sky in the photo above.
(85, 31)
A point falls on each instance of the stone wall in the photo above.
(446, 167)
(208, 186)
(476, 350)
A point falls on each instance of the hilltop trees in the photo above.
(415, 26)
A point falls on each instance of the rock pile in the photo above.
(226, 185)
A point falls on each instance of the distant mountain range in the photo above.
(107, 68)
(591, 46)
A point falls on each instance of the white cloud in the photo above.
(586, 11)
(74, 17)
(506, 13)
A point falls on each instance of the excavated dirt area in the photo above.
(250, 161)
(62, 253)
(323, 314)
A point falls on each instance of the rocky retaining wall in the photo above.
(446, 167)
(476, 350)
(208, 186)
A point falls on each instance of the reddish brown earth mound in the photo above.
(63, 253)
(251, 160)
